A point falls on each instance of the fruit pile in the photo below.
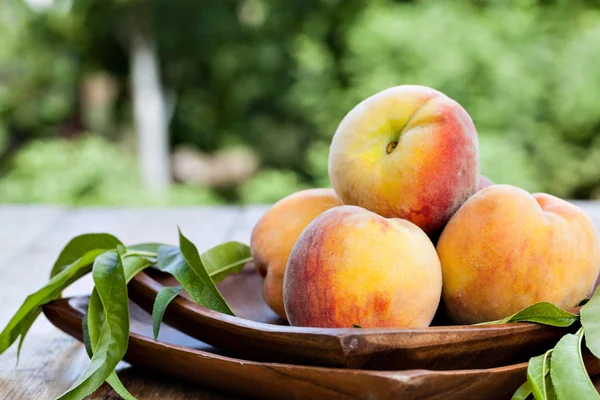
(410, 224)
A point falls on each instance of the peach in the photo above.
(408, 152)
(484, 182)
(506, 249)
(276, 233)
(352, 266)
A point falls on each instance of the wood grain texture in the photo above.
(22, 225)
(258, 334)
(175, 355)
(31, 238)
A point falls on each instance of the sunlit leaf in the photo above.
(523, 392)
(537, 370)
(224, 259)
(162, 301)
(569, 376)
(590, 320)
(111, 344)
(541, 313)
(89, 245)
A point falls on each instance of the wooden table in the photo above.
(31, 238)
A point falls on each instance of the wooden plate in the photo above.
(281, 381)
(258, 334)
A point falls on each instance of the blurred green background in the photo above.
(252, 91)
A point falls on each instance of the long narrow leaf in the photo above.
(110, 283)
(522, 392)
(25, 326)
(164, 297)
(131, 266)
(149, 247)
(550, 391)
(96, 314)
(192, 257)
(87, 342)
(225, 259)
(217, 262)
(92, 244)
(569, 376)
(590, 320)
(114, 382)
(537, 370)
(202, 291)
(25, 315)
(541, 313)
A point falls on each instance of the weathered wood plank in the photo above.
(20, 225)
(51, 361)
(249, 216)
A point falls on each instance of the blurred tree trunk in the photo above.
(149, 112)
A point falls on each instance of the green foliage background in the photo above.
(278, 76)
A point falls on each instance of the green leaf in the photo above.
(94, 325)
(163, 299)
(170, 260)
(590, 320)
(134, 265)
(522, 392)
(131, 266)
(92, 243)
(218, 262)
(356, 326)
(541, 313)
(117, 385)
(192, 257)
(87, 343)
(25, 326)
(191, 275)
(149, 247)
(95, 317)
(537, 370)
(111, 344)
(550, 391)
(30, 309)
(569, 376)
(224, 259)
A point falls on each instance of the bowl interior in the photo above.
(243, 293)
(257, 333)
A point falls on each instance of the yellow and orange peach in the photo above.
(352, 266)
(506, 249)
(276, 233)
(408, 152)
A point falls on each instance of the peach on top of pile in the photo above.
(404, 162)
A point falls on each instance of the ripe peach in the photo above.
(484, 182)
(352, 266)
(506, 249)
(276, 233)
(407, 152)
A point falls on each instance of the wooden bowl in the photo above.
(174, 356)
(259, 334)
